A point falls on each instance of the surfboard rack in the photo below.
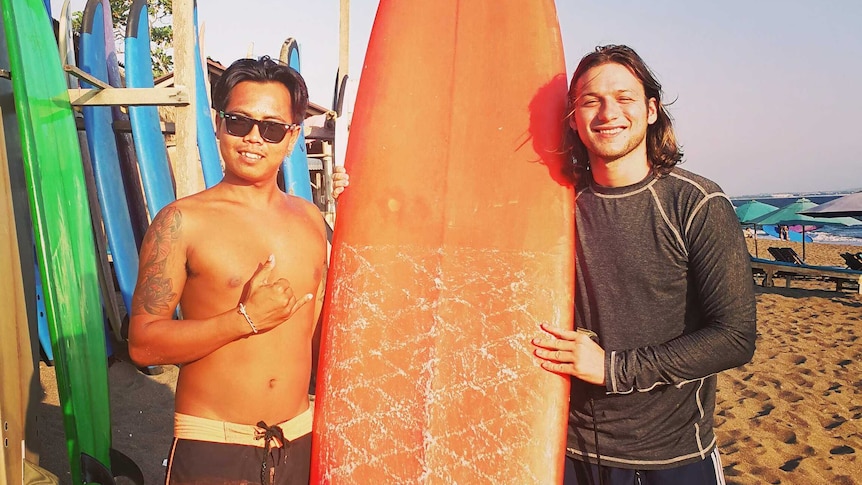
(93, 471)
(106, 95)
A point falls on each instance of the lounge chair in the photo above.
(788, 270)
(854, 261)
(786, 255)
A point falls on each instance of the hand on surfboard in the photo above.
(269, 304)
(340, 180)
(571, 352)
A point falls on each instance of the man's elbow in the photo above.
(140, 356)
(745, 349)
(138, 349)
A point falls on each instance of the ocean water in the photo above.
(827, 234)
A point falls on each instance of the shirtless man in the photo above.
(246, 263)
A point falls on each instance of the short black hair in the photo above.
(263, 69)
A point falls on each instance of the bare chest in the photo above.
(236, 245)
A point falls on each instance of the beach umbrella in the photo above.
(790, 215)
(751, 210)
(847, 206)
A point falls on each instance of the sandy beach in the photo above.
(793, 415)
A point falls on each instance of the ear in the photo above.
(652, 111)
(291, 141)
(572, 124)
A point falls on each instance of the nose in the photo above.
(609, 110)
(253, 135)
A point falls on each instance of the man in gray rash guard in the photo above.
(663, 280)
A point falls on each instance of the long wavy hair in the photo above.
(262, 70)
(663, 152)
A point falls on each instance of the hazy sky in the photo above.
(767, 93)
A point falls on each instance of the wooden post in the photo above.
(343, 42)
(340, 140)
(186, 165)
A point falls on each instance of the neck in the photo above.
(250, 193)
(620, 172)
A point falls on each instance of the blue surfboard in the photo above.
(207, 147)
(125, 146)
(146, 127)
(295, 167)
(66, 41)
(793, 236)
(104, 154)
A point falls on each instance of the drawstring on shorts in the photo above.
(268, 434)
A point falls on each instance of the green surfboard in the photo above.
(64, 241)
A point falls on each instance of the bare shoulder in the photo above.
(173, 229)
(167, 224)
(308, 210)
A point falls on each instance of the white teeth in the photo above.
(611, 131)
(253, 156)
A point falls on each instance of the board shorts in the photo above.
(207, 451)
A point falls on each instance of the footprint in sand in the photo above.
(790, 396)
(750, 393)
(794, 359)
(767, 408)
(799, 380)
(842, 450)
(791, 465)
(730, 471)
(836, 423)
(786, 436)
(766, 475)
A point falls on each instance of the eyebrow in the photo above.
(247, 114)
(593, 94)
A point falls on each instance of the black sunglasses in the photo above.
(270, 131)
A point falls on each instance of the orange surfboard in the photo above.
(453, 243)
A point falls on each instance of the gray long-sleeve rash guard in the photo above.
(664, 279)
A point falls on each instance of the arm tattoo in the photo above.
(155, 292)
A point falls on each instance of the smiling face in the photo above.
(250, 157)
(611, 116)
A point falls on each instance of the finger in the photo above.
(554, 355)
(560, 333)
(301, 302)
(565, 369)
(552, 344)
(261, 276)
(283, 286)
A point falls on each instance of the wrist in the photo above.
(243, 312)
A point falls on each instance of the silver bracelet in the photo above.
(241, 311)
